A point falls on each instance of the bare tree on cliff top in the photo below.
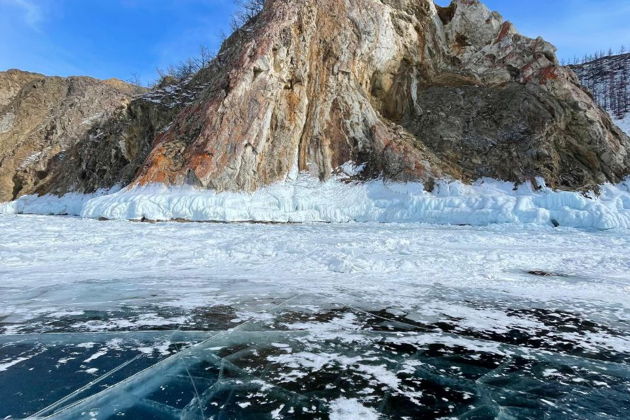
(246, 11)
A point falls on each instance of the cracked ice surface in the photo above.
(101, 319)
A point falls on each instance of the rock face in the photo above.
(41, 118)
(408, 89)
(412, 90)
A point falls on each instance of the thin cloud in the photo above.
(33, 13)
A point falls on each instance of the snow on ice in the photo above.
(504, 303)
(193, 320)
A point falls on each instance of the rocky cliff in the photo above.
(407, 89)
(42, 118)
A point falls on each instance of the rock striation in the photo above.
(403, 88)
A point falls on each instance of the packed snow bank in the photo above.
(69, 204)
(308, 200)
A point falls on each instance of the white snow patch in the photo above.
(351, 168)
(92, 119)
(161, 348)
(351, 409)
(307, 200)
(7, 365)
(6, 122)
(61, 314)
(551, 372)
(30, 160)
(95, 356)
(86, 345)
(624, 123)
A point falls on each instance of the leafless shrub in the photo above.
(246, 11)
(178, 72)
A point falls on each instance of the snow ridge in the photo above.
(307, 200)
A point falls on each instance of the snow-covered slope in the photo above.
(608, 79)
(306, 200)
(624, 123)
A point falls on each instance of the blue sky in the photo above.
(127, 38)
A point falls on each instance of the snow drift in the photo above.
(306, 200)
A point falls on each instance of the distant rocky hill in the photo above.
(608, 78)
(405, 89)
(42, 118)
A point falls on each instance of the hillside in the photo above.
(41, 118)
(608, 78)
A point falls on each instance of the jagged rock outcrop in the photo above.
(411, 90)
(41, 118)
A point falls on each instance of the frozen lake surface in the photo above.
(341, 321)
